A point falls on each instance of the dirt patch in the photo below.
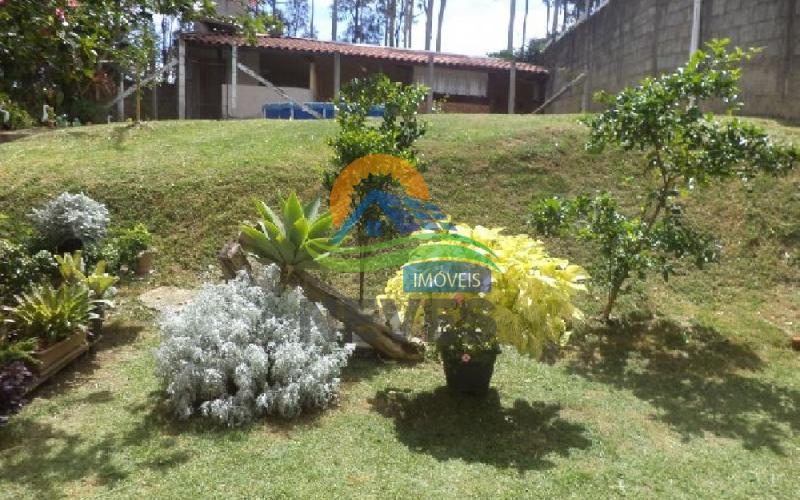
(167, 297)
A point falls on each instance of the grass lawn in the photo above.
(693, 394)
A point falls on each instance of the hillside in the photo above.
(193, 182)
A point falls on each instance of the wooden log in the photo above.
(232, 259)
(376, 334)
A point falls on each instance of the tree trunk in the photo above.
(376, 334)
(442, 4)
(554, 30)
(428, 23)
(547, 25)
(525, 28)
(409, 23)
(564, 16)
(612, 299)
(392, 14)
(334, 19)
(511, 17)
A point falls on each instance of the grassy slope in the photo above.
(703, 400)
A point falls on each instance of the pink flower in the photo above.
(459, 298)
(60, 13)
(72, 3)
(465, 358)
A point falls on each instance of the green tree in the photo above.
(683, 149)
(54, 51)
(395, 134)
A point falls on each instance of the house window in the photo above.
(454, 81)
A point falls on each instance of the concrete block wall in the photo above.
(627, 40)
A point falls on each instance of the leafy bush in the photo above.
(52, 314)
(19, 270)
(248, 348)
(18, 117)
(70, 222)
(684, 149)
(395, 134)
(291, 239)
(73, 271)
(121, 247)
(14, 381)
(531, 299)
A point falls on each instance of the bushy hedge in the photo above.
(249, 348)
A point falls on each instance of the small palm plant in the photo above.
(52, 314)
(292, 239)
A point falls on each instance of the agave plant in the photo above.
(292, 239)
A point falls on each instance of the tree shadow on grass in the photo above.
(82, 368)
(699, 381)
(479, 429)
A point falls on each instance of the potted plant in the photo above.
(57, 318)
(467, 345)
(530, 306)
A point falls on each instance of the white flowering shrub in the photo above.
(247, 348)
(70, 217)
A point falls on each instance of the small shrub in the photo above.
(684, 149)
(15, 379)
(18, 117)
(531, 300)
(291, 239)
(52, 314)
(249, 348)
(19, 270)
(70, 222)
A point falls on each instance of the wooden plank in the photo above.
(130, 90)
(277, 89)
(559, 93)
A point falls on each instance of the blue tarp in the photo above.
(290, 110)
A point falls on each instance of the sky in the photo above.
(472, 27)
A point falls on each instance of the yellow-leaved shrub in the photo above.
(532, 296)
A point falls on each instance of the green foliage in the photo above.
(18, 116)
(292, 238)
(53, 52)
(13, 349)
(51, 314)
(466, 328)
(19, 269)
(683, 149)
(395, 134)
(73, 271)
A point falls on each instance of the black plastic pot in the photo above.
(472, 377)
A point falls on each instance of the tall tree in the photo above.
(295, 16)
(511, 17)
(554, 30)
(548, 4)
(525, 27)
(391, 21)
(334, 19)
(442, 4)
(428, 8)
(408, 23)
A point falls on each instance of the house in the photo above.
(224, 75)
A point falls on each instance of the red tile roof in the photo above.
(306, 45)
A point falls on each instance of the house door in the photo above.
(205, 94)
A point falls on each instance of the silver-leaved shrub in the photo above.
(249, 348)
(70, 216)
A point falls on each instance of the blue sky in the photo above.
(472, 27)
